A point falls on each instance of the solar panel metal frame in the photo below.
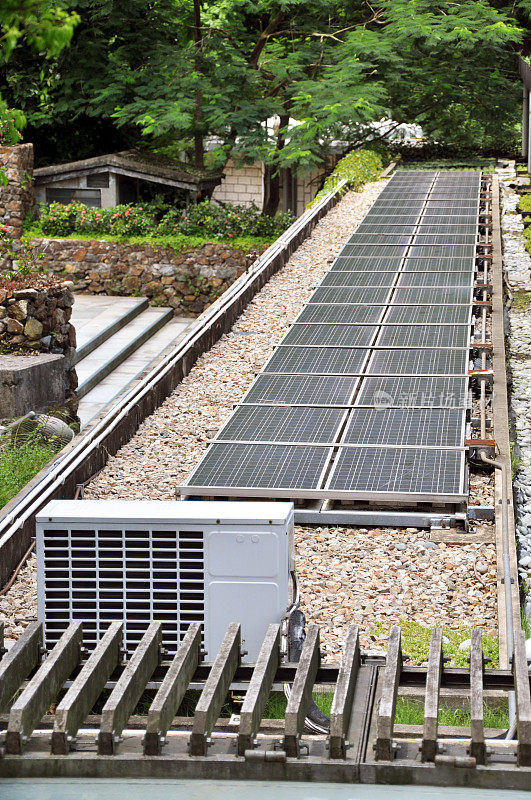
(412, 427)
(356, 454)
(281, 424)
(414, 391)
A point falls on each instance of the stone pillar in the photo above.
(18, 197)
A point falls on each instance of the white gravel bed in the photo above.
(346, 575)
(517, 266)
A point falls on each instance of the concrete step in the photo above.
(96, 318)
(105, 358)
(119, 380)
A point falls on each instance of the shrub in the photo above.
(358, 168)
(206, 218)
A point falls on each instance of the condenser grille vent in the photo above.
(139, 575)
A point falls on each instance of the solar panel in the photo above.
(375, 250)
(431, 427)
(443, 251)
(326, 335)
(364, 264)
(436, 206)
(418, 362)
(439, 265)
(384, 392)
(422, 473)
(282, 424)
(331, 313)
(450, 217)
(429, 315)
(427, 228)
(359, 279)
(437, 210)
(345, 294)
(261, 466)
(316, 390)
(436, 279)
(432, 295)
(446, 240)
(389, 219)
(384, 229)
(424, 336)
(316, 360)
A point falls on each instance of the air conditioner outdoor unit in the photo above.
(173, 562)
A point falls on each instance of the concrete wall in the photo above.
(17, 198)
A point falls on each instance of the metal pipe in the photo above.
(506, 576)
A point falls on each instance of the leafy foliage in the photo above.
(20, 461)
(18, 261)
(358, 168)
(206, 218)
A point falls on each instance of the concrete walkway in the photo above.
(117, 338)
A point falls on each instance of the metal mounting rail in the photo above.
(364, 744)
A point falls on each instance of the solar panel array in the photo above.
(365, 398)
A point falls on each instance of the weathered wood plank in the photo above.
(171, 692)
(428, 749)
(259, 689)
(301, 691)
(42, 689)
(2, 647)
(86, 688)
(343, 696)
(477, 728)
(523, 700)
(386, 712)
(128, 689)
(215, 689)
(17, 664)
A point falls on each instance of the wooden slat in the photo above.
(523, 700)
(42, 689)
(477, 728)
(386, 712)
(86, 688)
(17, 664)
(301, 691)
(172, 690)
(259, 689)
(215, 689)
(128, 689)
(431, 703)
(343, 696)
(2, 646)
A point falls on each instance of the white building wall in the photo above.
(242, 185)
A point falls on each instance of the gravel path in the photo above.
(346, 575)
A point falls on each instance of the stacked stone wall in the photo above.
(17, 197)
(187, 281)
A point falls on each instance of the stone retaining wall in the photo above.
(187, 281)
(37, 321)
(17, 198)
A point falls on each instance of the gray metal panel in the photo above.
(429, 315)
(387, 239)
(398, 471)
(413, 392)
(385, 229)
(262, 423)
(428, 228)
(317, 361)
(418, 362)
(424, 336)
(326, 314)
(330, 335)
(304, 389)
(430, 427)
(265, 466)
(365, 264)
(327, 294)
(375, 250)
(359, 279)
(439, 265)
(440, 240)
(443, 251)
(433, 295)
(440, 279)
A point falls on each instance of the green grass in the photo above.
(20, 461)
(516, 461)
(525, 203)
(522, 299)
(411, 712)
(179, 243)
(416, 643)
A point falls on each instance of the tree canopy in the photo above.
(202, 78)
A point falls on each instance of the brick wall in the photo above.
(17, 198)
